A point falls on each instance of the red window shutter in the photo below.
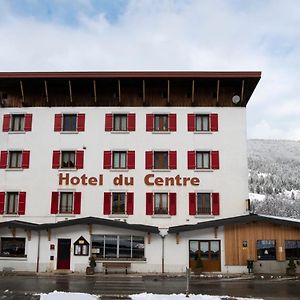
(28, 122)
(149, 160)
(22, 203)
(54, 203)
(131, 122)
(192, 204)
(25, 159)
(191, 122)
(214, 122)
(80, 122)
(6, 123)
(56, 159)
(3, 159)
(131, 159)
(215, 164)
(130, 197)
(2, 198)
(149, 122)
(106, 203)
(108, 122)
(172, 122)
(191, 160)
(79, 159)
(172, 210)
(58, 122)
(149, 203)
(77, 203)
(107, 160)
(215, 204)
(172, 160)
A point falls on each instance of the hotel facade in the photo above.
(147, 168)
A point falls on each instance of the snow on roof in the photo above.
(280, 218)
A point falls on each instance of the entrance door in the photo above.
(63, 254)
(209, 252)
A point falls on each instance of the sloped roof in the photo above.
(242, 219)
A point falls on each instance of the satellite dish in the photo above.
(236, 99)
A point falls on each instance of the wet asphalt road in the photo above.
(26, 287)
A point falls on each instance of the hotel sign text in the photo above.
(121, 180)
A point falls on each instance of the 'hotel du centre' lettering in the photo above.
(120, 180)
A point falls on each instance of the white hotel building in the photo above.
(139, 167)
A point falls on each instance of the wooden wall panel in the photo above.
(235, 254)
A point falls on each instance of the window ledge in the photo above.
(13, 169)
(120, 132)
(118, 216)
(119, 170)
(204, 216)
(203, 170)
(66, 215)
(69, 132)
(18, 258)
(67, 169)
(162, 132)
(202, 132)
(161, 216)
(17, 132)
(161, 170)
(10, 215)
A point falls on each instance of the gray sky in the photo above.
(237, 35)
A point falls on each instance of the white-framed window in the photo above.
(203, 204)
(202, 122)
(203, 160)
(118, 203)
(12, 203)
(68, 159)
(119, 159)
(161, 204)
(161, 160)
(17, 122)
(120, 122)
(15, 159)
(66, 202)
(161, 122)
(69, 122)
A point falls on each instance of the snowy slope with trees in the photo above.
(274, 177)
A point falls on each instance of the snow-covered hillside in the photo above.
(274, 177)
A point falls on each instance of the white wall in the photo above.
(40, 179)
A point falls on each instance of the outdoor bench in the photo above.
(116, 265)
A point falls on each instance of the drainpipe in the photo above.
(38, 252)
(163, 232)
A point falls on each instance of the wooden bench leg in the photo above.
(126, 270)
(105, 270)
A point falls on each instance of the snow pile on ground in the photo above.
(67, 296)
(146, 296)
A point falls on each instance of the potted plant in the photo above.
(199, 265)
(291, 269)
(92, 264)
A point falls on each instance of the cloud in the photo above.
(166, 35)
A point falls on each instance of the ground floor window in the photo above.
(266, 249)
(292, 249)
(12, 246)
(118, 246)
